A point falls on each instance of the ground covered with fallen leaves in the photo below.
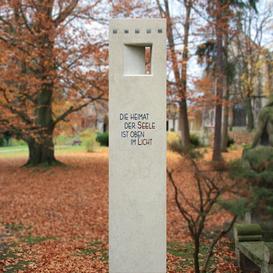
(56, 220)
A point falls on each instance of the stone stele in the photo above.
(137, 166)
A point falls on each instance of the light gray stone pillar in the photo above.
(137, 120)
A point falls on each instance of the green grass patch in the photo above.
(13, 152)
(8, 251)
(13, 227)
(92, 248)
(19, 266)
(185, 252)
(22, 151)
(31, 240)
(12, 253)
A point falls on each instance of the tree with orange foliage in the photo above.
(220, 11)
(50, 67)
(179, 71)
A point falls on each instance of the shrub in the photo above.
(260, 159)
(7, 141)
(174, 144)
(174, 141)
(86, 133)
(230, 141)
(195, 141)
(238, 169)
(257, 168)
(2, 142)
(62, 140)
(103, 139)
(17, 142)
(91, 144)
(206, 202)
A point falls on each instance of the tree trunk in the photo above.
(173, 125)
(217, 156)
(41, 147)
(196, 255)
(180, 76)
(41, 152)
(184, 125)
(224, 140)
(249, 113)
(183, 113)
(224, 143)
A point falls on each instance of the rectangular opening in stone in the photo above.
(137, 59)
(148, 60)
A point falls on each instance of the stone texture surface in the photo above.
(137, 123)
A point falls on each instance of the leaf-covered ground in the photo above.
(56, 220)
